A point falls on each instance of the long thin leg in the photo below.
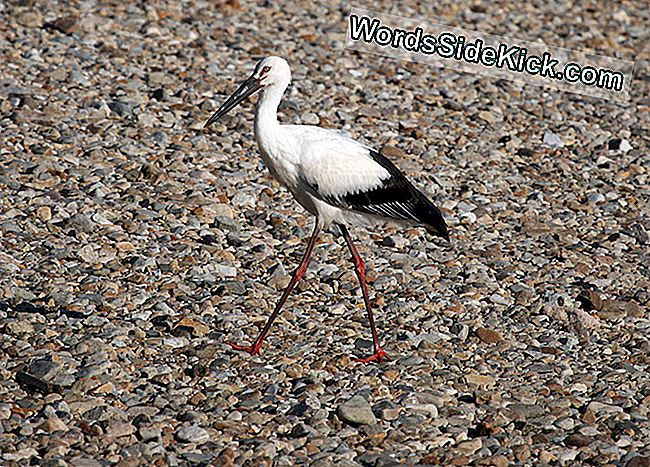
(297, 275)
(361, 274)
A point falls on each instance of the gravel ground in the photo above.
(133, 243)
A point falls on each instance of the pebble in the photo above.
(44, 213)
(66, 24)
(30, 19)
(639, 461)
(595, 198)
(487, 116)
(123, 109)
(309, 119)
(192, 434)
(489, 336)
(552, 140)
(427, 409)
(356, 411)
(118, 429)
(392, 152)
(301, 429)
(480, 380)
(616, 309)
(578, 440)
(387, 410)
(45, 369)
(469, 447)
(499, 299)
(53, 424)
(603, 409)
(526, 411)
(496, 461)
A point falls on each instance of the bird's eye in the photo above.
(266, 69)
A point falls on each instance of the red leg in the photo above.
(360, 269)
(297, 275)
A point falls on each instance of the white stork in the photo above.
(333, 177)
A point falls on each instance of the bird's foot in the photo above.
(378, 356)
(251, 349)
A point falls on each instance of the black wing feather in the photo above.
(396, 198)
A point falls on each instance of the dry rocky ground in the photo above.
(133, 243)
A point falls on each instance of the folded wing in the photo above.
(351, 176)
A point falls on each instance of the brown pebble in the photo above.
(311, 449)
(522, 452)
(495, 461)
(197, 398)
(392, 152)
(30, 19)
(479, 380)
(460, 460)
(639, 461)
(196, 328)
(375, 439)
(588, 417)
(578, 440)
(44, 213)
(546, 457)
(391, 375)
(616, 309)
(488, 336)
(431, 459)
(65, 24)
(226, 458)
(118, 429)
(54, 424)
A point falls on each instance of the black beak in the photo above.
(243, 92)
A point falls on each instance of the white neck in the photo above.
(266, 111)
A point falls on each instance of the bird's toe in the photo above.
(378, 356)
(253, 350)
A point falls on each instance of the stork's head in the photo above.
(269, 73)
(272, 70)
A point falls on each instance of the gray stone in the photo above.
(356, 411)
(192, 434)
(44, 369)
(552, 140)
(123, 109)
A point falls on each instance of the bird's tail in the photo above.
(431, 217)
